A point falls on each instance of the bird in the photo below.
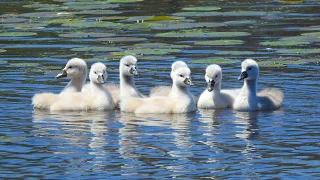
(97, 98)
(76, 70)
(213, 97)
(179, 100)
(248, 98)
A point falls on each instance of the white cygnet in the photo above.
(179, 100)
(127, 72)
(76, 70)
(248, 99)
(98, 98)
(165, 90)
(213, 97)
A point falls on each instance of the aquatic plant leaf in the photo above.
(235, 52)
(13, 20)
(283, 43)
(162, 18)
(2, 50)
(299, 51)
(17, 34)
(24, 64)
(240, 22)
(184, 25)
(48, 14)
(224, 42)
(97, 49)
(231, 13)
(90, 24)
(121, 39)
(86, 35)
(202, 8)
(161, 46)
(201, 33)
(99, 11)
(157, 58)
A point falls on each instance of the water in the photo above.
(217, 144)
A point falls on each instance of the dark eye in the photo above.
(70, 67)
(249, 68)
(181, 75)
(95, 72)
(127, 65)
(216, 75)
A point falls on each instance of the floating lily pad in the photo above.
(157, 58)
(160, 46)
(278, 64)
(92, 6)
(86, 24)
(184, 25)
(232, 13)
(284, 43)
(86, 35)
(291, 1)
(16, 34)
(13, 20)
(299, 51)
(99, 11)
(39, 5)
(225, 42)
(214, 61)
(3, 62)
(121, 39)
(2, 50)
(241, 22)
(202, 8)
(123, 1)
(97, 49)
(148, 51)
(317, 34)
(24, 64)
(202, 33)
(162, 18)
(48, 14)
(308, 37)
(235, 52)
(59, 21)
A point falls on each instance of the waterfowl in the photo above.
(248, 99)
(76, 70)
(179, 100)
(213, 97)
(97, 99)
(127, 71)
(165, 90)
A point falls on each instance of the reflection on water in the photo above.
(217, 144)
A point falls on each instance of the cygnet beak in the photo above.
(210, 85)
(243, 75)
(134, 71)
(100, 79)
(62, 74)
(188, 81)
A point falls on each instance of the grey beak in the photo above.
(100, 79)
(243, 75)
(134, 71)
(188, 81)
(62, 74)
(211, 84)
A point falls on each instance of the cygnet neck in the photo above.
(216, 88)
(177, 90)
(75, 84)
(96, 88)
(249, 87)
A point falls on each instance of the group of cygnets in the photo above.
(96, 95)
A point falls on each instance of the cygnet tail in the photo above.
(114, 90)
(160, 91)
(44, 100)
(276, 96)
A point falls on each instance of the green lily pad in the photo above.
(13, 20)
(160, 46)
(202, 33)
(162, 18)
(3, 62)
(157, 58)
(97, 49)
(86, 35)
(99, 11)
(92, 6)
(225, 42)
(202, 8)
(235, 52)
(16, 34)
(26, 26)
(147, 51)
(2, 50)
(291, 1)
(48, 14)
(59, 21)
(283, 43)
(121, 39)
(308, 37)
(123, 1)
(183, 25)
(317, 34)
(227, 14)
(278, 64)
(299, 51)
(240, 22)
(24, 64)
(214, 61)
(39, 5)
(92, 24)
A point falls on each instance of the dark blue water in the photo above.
(217, 144)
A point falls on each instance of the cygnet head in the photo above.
(75, 68)
(98, 73)
(182, 77)
(177, 65)
(213, 76)
(128, 66)
(249, 70)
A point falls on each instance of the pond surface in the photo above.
(38, 37)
